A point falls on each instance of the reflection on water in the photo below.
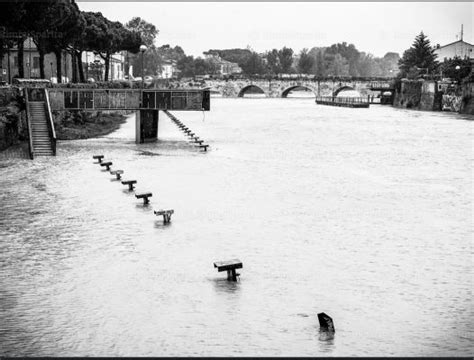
(223, 286)
(364, 214)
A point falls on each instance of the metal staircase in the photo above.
(40, 124)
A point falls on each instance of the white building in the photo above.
(458, 48)
(168, 69)
(94, 66)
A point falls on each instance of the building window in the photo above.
(36, 62)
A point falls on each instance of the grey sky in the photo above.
(372, 27)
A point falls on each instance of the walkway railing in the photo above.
(343, 101)
(128, 99)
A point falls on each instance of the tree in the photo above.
(11, 21)
(238, 56)
(108, 37)
(285, 57)
(273, 62)
(69, 28)
(54, 26)
(419, 59)
(305, 62)
(171, 54)
(389, 64)
(368, 66)
(254, 65)
(338, 66)
(456, 68)
(186, 66)
(147, 31)
(349, 53)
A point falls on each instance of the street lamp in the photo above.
(143, 48)
(457, 73)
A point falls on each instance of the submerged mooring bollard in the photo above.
(99, 158)
(145, 197)
(166, 215)
(129, 183)
(325, 322)
(230, 266)
(117, 173)
(107, 165)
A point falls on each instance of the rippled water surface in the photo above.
(365, 214)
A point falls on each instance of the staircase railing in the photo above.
(28, 123)
(52, 132)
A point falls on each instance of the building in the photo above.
(94, 66)
(458, 48)
(168, 69)
(223, 67)
(9, 64)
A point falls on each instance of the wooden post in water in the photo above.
(325, 322)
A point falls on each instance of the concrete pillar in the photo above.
(146, 126)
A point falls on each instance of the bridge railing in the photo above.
(343, 99)
(380, 85)
(128, 99)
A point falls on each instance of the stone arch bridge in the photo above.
(281, 88)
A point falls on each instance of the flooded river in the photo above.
(365, 214)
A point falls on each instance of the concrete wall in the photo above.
(419, 95)
(467, 102)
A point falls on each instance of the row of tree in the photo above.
(340, 59)
(58, 26)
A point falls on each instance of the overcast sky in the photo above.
(376, 28)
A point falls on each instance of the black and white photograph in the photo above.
(236, 179)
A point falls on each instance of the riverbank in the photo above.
(84, 125)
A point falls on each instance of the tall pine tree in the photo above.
(419, 59)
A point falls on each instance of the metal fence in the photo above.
(127, 99)
(342, 99)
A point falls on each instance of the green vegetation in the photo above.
(83, 125)
(419, 58)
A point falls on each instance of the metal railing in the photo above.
(343, 99)
(28, 123)
(128, 99)
(50, 122)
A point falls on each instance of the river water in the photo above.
(365, 214)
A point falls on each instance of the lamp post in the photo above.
(143, 48)
(457, 73)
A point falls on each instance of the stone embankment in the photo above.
(435, 96)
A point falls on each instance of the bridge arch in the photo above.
(254, 88)
(285, 92)
(342, 88)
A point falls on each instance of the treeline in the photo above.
(58, 26)
(339, 59)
